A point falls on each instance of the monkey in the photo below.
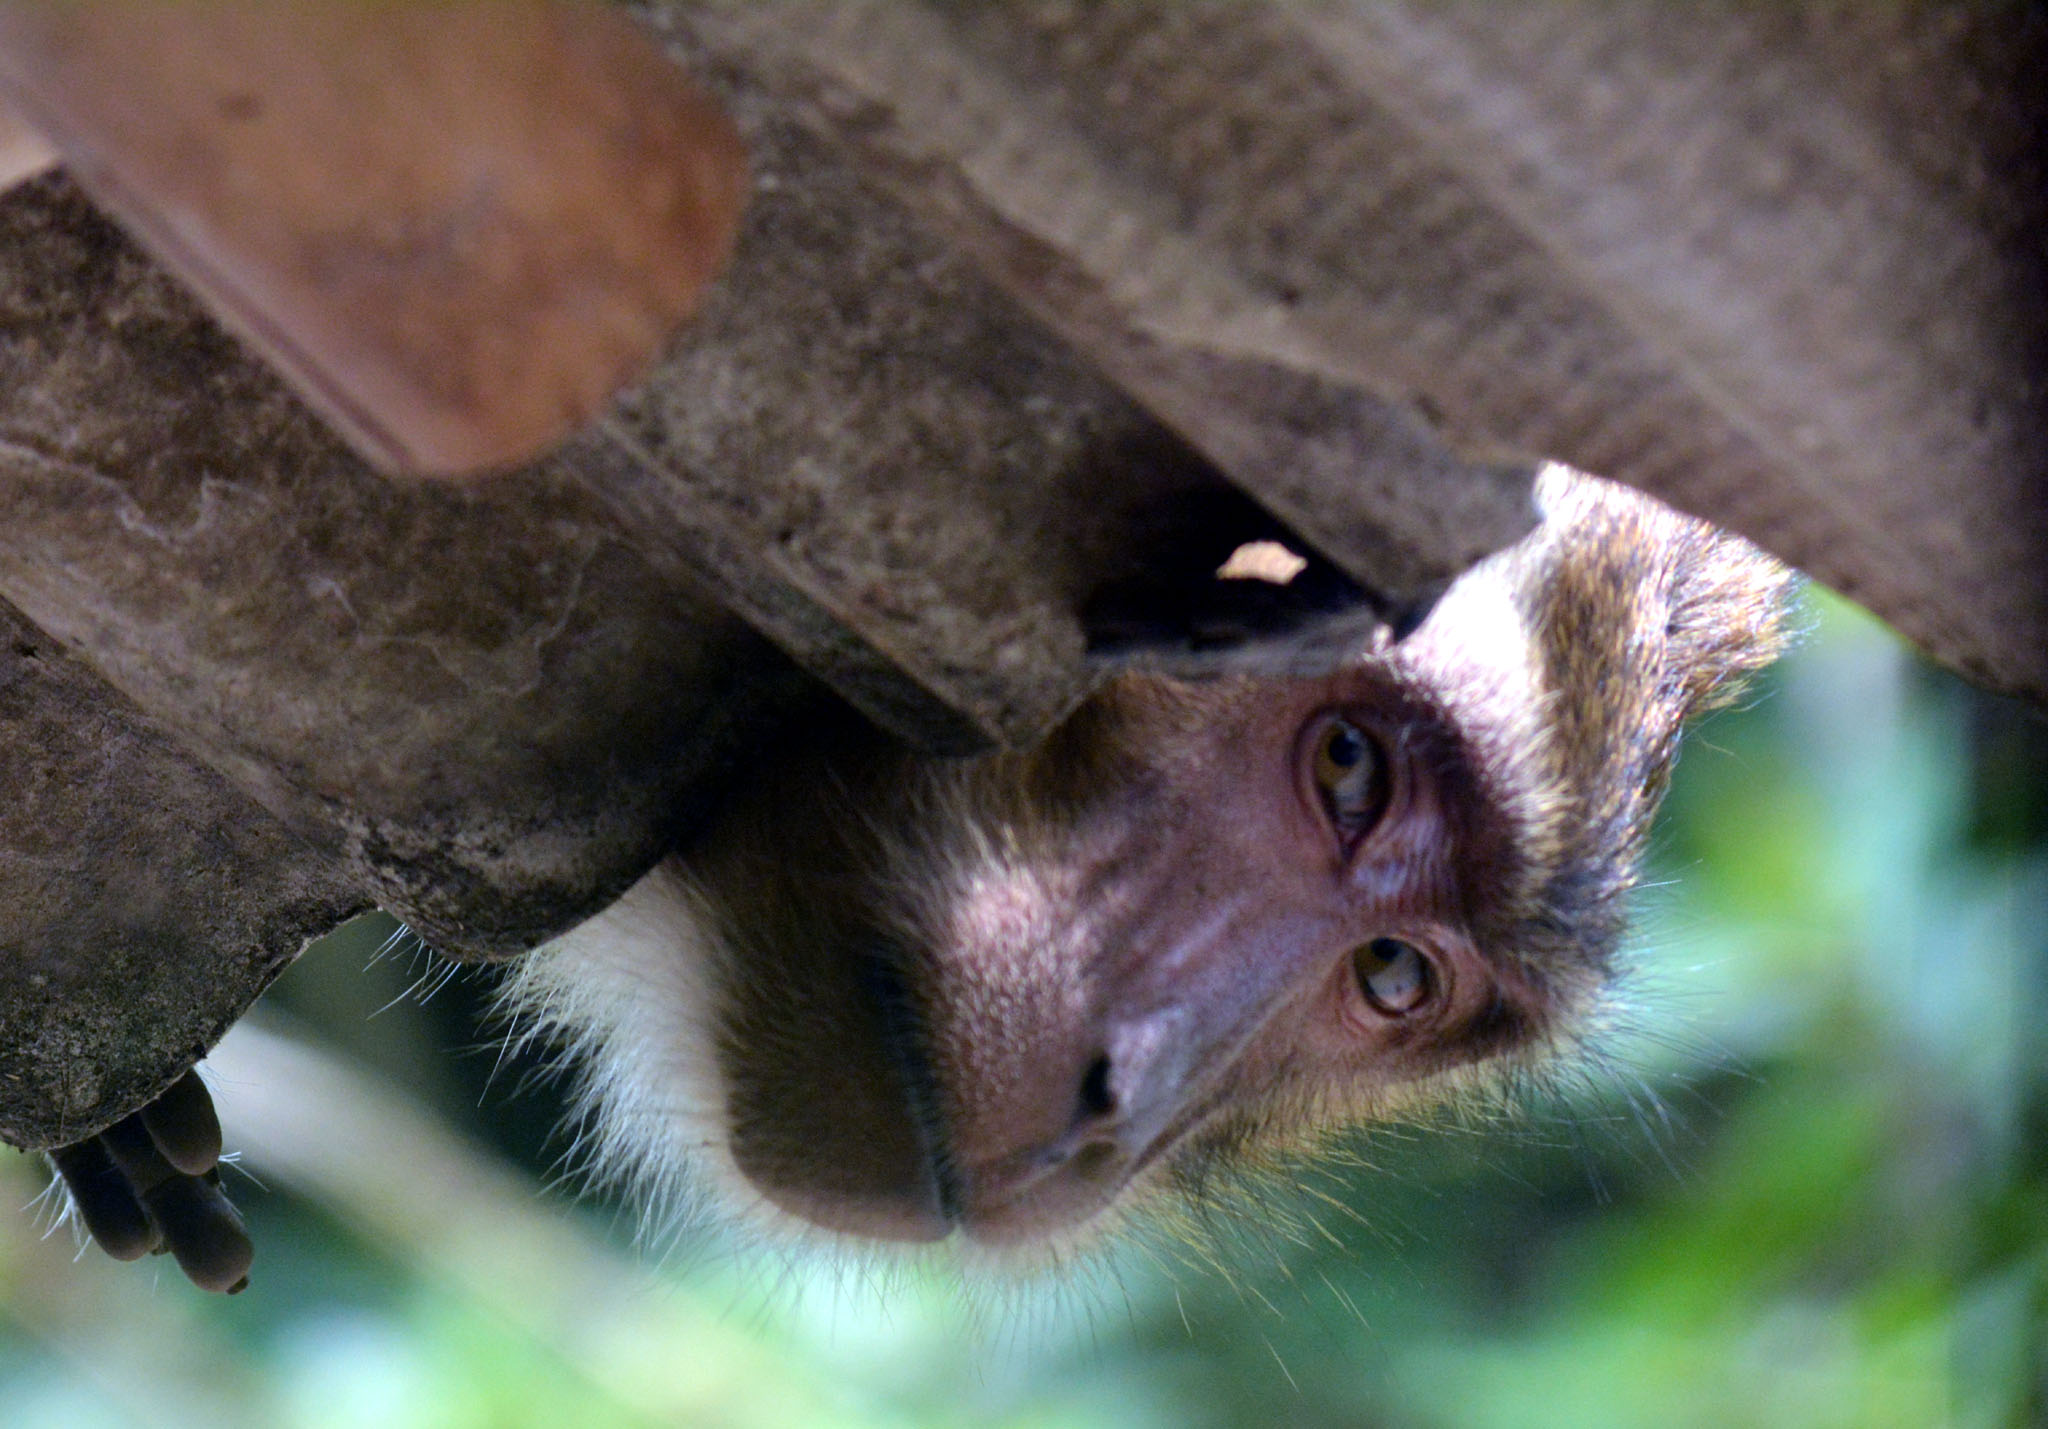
(1020, 999)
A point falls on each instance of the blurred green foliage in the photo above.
(1805, 1184)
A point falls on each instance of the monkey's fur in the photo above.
(898, 998)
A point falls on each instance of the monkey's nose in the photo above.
(1041, 1190)
(1131, 1090)
(1121, 1104)
(1138, 1081)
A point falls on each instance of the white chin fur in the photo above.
(629, 1001)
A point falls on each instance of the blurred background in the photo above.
(1805, 1185)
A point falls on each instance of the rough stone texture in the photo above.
(1360, 478)
(887, 465)
(485, 700)
(888, 469)
(146, 900)
(1782, 265)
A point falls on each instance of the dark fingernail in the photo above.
(203, 1231)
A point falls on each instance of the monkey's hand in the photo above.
(151, 1183)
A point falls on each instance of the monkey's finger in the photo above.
(106, 1202)
(190, 1215)
(203, 1232)
(134, 1151)
(184, 1127)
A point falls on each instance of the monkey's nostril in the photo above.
(1097, 1100)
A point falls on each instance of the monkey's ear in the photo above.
(1728, 617)
(1704, 604)
(1636, 618)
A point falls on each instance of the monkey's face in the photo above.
(992, 997)
(903, 999)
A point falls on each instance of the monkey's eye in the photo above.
(1394, 976)
(1351, 775)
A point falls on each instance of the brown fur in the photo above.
(1003, 993)
(1640, 620)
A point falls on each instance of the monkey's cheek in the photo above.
(838, 1149)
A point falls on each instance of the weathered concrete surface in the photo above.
(1362, 479)
(486, 701)
(881, 460)
(882, 464)
(146, 900)
(1783, 266)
